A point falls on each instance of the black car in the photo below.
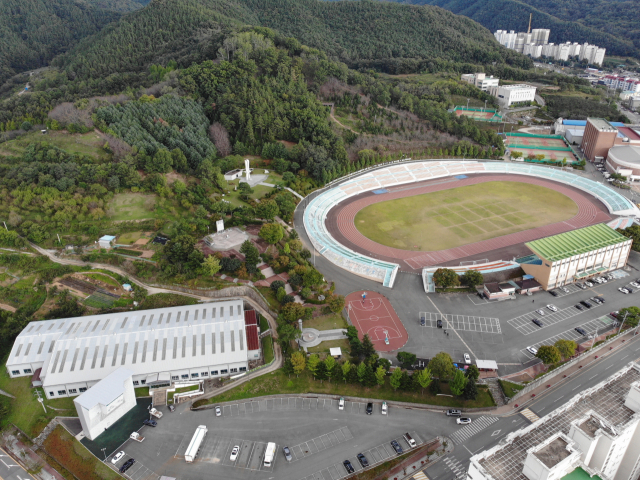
(537, 322)
(602, 300)
(127, 465)
(396, 446)
(579, 307)
(423, 322)
(439, 323)
(581, 331)
(287, 453)
(348, 466)
(363, 460)
(553, 292)
(586, 304)
(369, 408)
(150, 423)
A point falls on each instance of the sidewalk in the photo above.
(29, 460)
(586, 359)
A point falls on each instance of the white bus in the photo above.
(269, 454)
(196, 442)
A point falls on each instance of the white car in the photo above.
(234, 453)
(565, 289)
(635, 284)
(553, 308)
(532, 350)
(467, 358)
(540, 312)
(341, 404)
(588, 284)
(218, 412)
(463, 421)
(116, 458)
(384, 408)
(623, 290)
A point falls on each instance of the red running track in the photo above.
(341, 221)
(376, 317)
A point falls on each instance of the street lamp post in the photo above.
(623, 320)
(468, 103)
(103, 452)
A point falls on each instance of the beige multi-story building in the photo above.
(577, 255)
(508, 94)
(594, 435)
(481, 81)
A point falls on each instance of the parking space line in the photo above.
(524, 323)
(590, 327)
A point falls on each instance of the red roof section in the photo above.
(253, 342)
(628, 132)
(250, 317)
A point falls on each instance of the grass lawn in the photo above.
(268, 294)
(83, 144)
(132, 206)
(192, 388)
(461, 100)
(26, 412)
(510, 389)
(142, 392)
(279, 383)
(267, 348)
(129, 237)
(264, 324)
(325, 346)
(103, 278)
(326, 322)
(464, 215)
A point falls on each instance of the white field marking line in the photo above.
(454, 330)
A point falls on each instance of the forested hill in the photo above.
(32, 32)
(191, 30)
(610, 24)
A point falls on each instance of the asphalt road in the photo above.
(10, 470)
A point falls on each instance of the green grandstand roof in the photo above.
(576, 242)
(580, 474)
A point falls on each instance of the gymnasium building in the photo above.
(575, 256)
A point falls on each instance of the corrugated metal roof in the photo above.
(250, 317)
(253, 342)
(577, 123)
(576, 242)
(106, 390)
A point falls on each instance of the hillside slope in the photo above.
(594, 21)
(189, 31)
(32, 32)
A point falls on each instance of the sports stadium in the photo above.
(409, 215)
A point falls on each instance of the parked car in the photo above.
(454, 413)
(579, 307)
(581, 331)
(553, 308)
(287, 453)
(234, 453)
(588, 284)
(423, 322)
(348, 466)
(581, 286)
(341, 404)
(586, 304)
(384, 408)
(537, 322)
(564, 289)
(463, 421)
(396, 446)
(439, 324)
(553, 292)
(596, 300)
(218, 412)
(363, 460)
(116, 458)
(623, 290)
(635, 284)
(602, 299)
(172, 408)
(127, 465)
(540, 312)
(532, 350)
(630, 290)
(369, 408)
(467, 358)
(614, 314)
(150, 423)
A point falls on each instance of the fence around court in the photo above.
(474, 109)
(540, 147)
(532, 135)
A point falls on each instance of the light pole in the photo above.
(468, 103)
(485, 105)
(594, 339)
(623, 320)
(103, 452)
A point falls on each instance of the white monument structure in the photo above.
(246, 166)
(219, 225)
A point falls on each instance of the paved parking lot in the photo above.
(320, 443)
(461, 322)
(525, 325)
(378, 454)
(137, 471)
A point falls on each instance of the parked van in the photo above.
(410, 440)
(341, 404)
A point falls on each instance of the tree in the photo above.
(442, 366)
(267, 209)
(321, 371)
(548, 354)
(361, 371)
(275, 286)
(630, 315)
(330, 364)
(367, 346)
(406, 359)
(471, 278)
(211, 265)
(567, 348)
(434, 388)
(220, 138)
(299, 362)
(251, 254)
(424, 378)
(346, 368)
(472, 373)
(271, 233)
(380, 374)
(312, 364)
(369, 376)
(288, 333)
(470, 390)
(292, 312)
(396, 377)
(336, 303)
(312, 277)
(446, 278)
(458, 383)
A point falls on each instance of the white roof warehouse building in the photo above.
(158, 346)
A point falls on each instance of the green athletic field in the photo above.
(463, 215)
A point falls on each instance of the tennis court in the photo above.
(553, 147)
(480, 114)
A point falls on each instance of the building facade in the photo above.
(624, 160)
(164, 345)
(510, 94)
(481, 81)
(599, 136)
(108, 400)
(577, 255)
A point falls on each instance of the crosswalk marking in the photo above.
(532, 417)
(476, 426)
(455, 466)
(420, 476)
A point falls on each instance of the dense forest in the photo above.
(32, 32)
(601, 22)
(580, 108)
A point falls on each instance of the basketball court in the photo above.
(371, 313)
